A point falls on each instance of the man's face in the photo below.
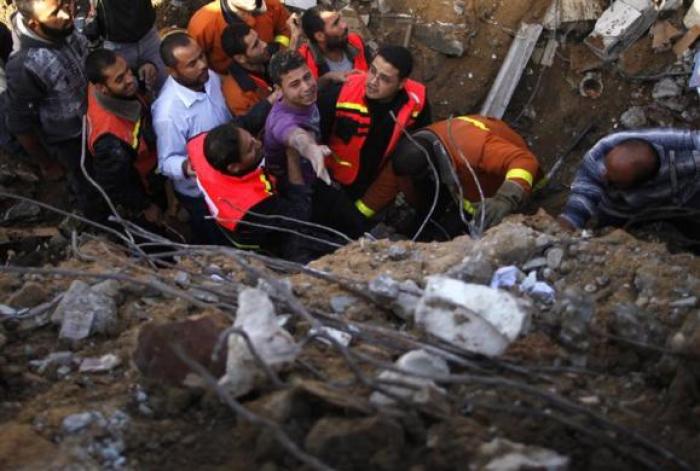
(256, 49)
(335, 30)
(299, 87)
(119, 80)
(383, 82)
(250, 151)
(52, 18)
(191, 68)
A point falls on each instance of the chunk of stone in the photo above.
(554, 256)
(83, 312)
(414, 362)
(102, 364)
(474, 317)
(384, 287)
(29, 295)
(473, 269)
(441, 38)
(404, 306)
(505, 455)
(509, 243)
(77, 422)
(273, 345)
(666, 88)
(340, 304)
(634, 118)
(535, 264)
(196, 336)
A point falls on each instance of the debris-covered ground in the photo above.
(589, 348)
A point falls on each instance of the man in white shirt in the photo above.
(190, 103)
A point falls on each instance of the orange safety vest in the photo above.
(102, 121)
(229, 198)
(359, 61)
(344, 162)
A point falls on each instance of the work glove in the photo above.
(507, 199)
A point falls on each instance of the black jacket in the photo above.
(124, 21)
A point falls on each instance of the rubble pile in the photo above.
(393, 354)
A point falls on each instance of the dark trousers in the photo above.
(204, 228)
(84, 195)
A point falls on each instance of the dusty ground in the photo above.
(640, 387)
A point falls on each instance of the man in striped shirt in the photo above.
(628, 173)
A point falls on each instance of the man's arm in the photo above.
(304, 143)
(586, 191)
(172, 148)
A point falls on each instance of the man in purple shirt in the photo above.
(293, 122)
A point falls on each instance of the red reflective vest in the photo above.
(344, 163)
(229, 198)
(102, 121)
(359, 61)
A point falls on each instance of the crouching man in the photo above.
(504, 167)
(121, 138)
(243, 197)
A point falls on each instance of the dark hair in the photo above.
(171, 42)
(312, 23)
(221, 146)
(97, 61)
(25, 7)
(233, 39)
(284, 62)
(399, 57)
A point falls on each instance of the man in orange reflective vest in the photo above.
(364, 118)
(332, 52)
(247, 81)
(120, 137)
(506, 170)
(269, 18)
(244, 199)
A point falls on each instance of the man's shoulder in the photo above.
(204, 16)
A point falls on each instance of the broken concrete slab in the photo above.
(511, 71)
(565, 12)
(620, 26)
(475, 317)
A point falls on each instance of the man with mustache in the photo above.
(332, 52)
(47, 91)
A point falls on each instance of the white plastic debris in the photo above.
(506, 277)
(537, 289)
(274, 345)
(503, 455)
(416, 362)
(100, 365)
(474, 317)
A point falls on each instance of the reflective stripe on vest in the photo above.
(352, 106)
(229, 198)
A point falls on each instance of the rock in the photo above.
(52, 362)
(353, 443)
(417, 362)
(666, 88)
(473, 269)
(182, 279)
(687, 339)
(575, 313)
(404, 306)
(100, 365)
(327, 333)
(535, 264)
(274, 345)
(83, 312)
(554, 257)
(631, 322)
(384, 287)
(77, 422)
(690, 301)
(509, 243)
(474, 317)
(442, 38)
(30, 295)
(620, 26)
(397, 253)
(634, 118)
(110, 288)
(197, 336)
(505, 455)
(22, 211)
(340, 304)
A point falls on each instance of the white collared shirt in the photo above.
(179, 114)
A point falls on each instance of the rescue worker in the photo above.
(363, 119)
(120, 138)
(247, 81)
(269, 18)
(505, 169)
(244, 199)
(332, 52)
(629, 174)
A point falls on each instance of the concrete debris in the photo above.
(22, 211)
(343, 338)
(554, 257)
(534, 264)
(340, 304)
(414, 362)
(274, 345)
(503, 455)
(77, 422)
(405, 303)
(562, 13)
(634, 118)
(508, 243)
(692, 17)
(84, 311)
(663, 34)
(511, 71)
(29, 295)
(474, 317)
(575, 314)
(384, 287)
(620, 26)
(183, 279)
(442, 38)
(53, 361)
(690, 301)
(473, 269)
(666, 88)
(102, 364)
